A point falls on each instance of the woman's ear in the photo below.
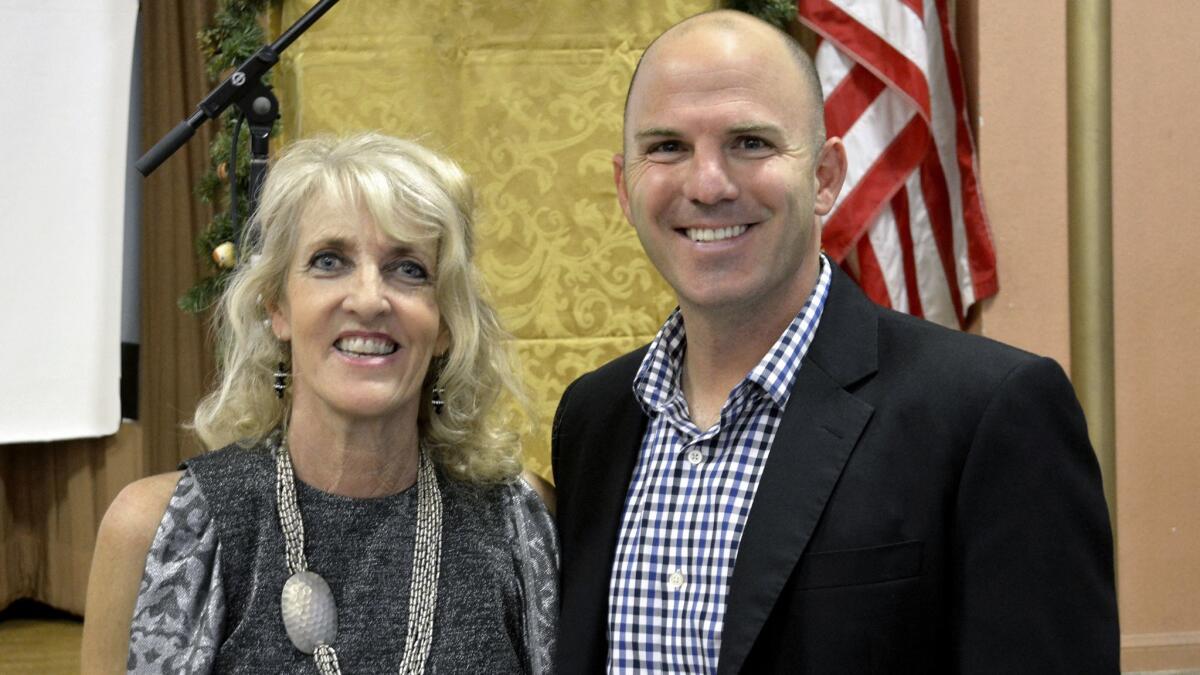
(281, 323)
(442, 346)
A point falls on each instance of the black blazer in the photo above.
(931, 503)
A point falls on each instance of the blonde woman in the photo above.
(364, 511)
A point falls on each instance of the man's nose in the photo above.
(709, 180)
(366, 295)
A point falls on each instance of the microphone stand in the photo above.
(253, 97)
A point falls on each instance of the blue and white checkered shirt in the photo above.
(688, 500)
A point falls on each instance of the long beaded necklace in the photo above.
(309, 612)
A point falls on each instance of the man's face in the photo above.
(718, 171)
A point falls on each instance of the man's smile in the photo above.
(709, 234)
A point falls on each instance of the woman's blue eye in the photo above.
(325, 261)
(411, 269)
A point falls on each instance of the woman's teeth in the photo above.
(715, 234)
(363, 346)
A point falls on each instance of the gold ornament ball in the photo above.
(225, 255)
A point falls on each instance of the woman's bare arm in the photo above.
(125, 535)
(544, 489)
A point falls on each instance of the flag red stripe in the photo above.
(891, 168)
(867, 48)
(937, 204)
(849, 99)
(907, 255)
(980, 252)
(917, 6)
(870, 274)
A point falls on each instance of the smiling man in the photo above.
(789, 478)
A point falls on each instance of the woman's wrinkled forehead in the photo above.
(389, 210)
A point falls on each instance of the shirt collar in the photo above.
(656, 384)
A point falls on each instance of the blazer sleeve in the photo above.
(556, 459)
(1033, 576)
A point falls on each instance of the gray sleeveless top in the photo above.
(209, 596)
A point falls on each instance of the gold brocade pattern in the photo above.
(528, 97)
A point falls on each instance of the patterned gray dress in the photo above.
(209, 597)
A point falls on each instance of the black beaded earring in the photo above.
(436, 399)
(282, 375)
(437, 395)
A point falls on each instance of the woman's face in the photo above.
(359, 311)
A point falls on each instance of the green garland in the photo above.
(234, 35)
(778, 12)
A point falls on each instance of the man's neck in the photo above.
(724, 345)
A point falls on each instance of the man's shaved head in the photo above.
(744, 24)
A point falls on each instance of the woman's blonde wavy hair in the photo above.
(407, 189)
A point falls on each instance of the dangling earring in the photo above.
(437, 400)
(282, 375)
(437, 395)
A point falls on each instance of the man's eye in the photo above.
(753, 143)
(665, 147)
(326, 261)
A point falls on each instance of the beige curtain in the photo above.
(528, 97)
(53, 495)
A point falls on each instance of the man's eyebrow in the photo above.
(737, 129)
(657, 132)
(753, 128)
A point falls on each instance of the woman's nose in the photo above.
(366, 296)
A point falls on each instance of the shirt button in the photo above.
(675, 581)
(695, 457)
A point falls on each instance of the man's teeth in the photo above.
(362, 345)
(715, 234)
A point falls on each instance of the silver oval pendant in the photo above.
(309, 613)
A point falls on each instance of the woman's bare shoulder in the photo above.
(134, 515)
(126, 534)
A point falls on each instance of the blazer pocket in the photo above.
(852, 567)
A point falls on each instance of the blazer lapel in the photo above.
(819, 430)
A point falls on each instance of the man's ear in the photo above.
(830, 174)
(619, 177)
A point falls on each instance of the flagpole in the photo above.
(1089, 157)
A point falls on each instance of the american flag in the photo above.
(909, 223)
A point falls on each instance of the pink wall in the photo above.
(1016, 54)
(1156, 237)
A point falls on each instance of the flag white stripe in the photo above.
(832, 66)
(885, 239)
(945, 136)
(932, 287)
(871, 134)
(894, 23)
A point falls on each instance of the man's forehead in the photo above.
(713, 60)
(727, 93)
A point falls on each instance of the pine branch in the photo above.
(777, 12)
(233, 35)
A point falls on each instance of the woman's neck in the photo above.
(354, 457)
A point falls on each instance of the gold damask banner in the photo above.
(527, 96)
